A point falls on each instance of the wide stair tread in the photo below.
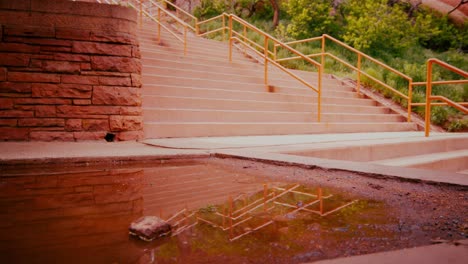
(455, 161)
(207, 93)
(197, 129)
(210, 115)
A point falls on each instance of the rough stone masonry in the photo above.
(69, 71)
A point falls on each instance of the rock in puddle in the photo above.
(149, 228)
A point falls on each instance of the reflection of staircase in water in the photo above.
(245, 214)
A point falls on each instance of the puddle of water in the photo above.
(223, 215)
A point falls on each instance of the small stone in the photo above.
(149, 228)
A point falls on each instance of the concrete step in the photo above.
(241, 85)
(234, 74)
(201, 115)
(171, 90)
(157, 90)
(382, 149)
(192, 51)
(193, 43)
(265, 97)
(203, 94)
(168, 58)
(453, 161)
(208, 47)
(208, 63)
(199, 129)
(149, 32)
(229, 104)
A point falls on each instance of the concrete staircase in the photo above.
(203, 94)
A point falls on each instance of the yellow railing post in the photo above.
(230, 38)
(321, 72)
(141, 13)
(322, 57)
(274, 52)
(197, 29)
(265, 53)
(410, 99)
(244, 34)
(159, 24)
(224, 28)
(319, 94)
(358, 84)
(185, 40)
(428, 99)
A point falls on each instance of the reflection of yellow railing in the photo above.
(430, 97)
(357, 67)
(229, 217)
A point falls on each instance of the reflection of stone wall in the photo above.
(68, 71)
(50, 218)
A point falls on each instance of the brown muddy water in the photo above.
(222, 210)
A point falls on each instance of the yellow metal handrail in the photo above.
(142, 9)
(223, 16)
(357, 68)
(242, 38)
(262, 50)
(179, 10)
(430, 97)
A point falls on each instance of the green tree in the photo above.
(309, 18)
(210, 8)
(434, 31)
(374, 25)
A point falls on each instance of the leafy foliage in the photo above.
(309, 18)
(209, 8)
(373, 25)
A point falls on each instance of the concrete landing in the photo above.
(272, 149)
(286, 149)
(284, 140)
(81, 152)
(453, 253)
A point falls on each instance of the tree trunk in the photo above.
(276, 12)
(462, 2)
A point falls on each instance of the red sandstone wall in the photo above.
(68, 71)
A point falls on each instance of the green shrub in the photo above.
(458, 125)
(209, 8)
(374, 26)
(310, 18)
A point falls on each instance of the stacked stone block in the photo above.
(69, 71)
